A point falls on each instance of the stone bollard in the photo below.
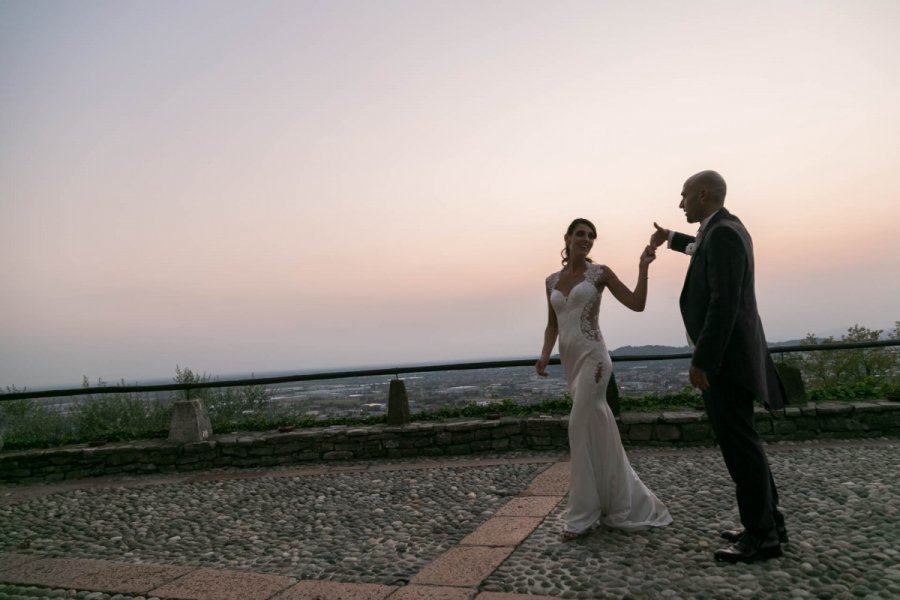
(792, 380)
(398, 404)
(190, 422)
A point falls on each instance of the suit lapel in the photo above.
(723, 213)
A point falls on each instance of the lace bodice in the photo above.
(582, 302)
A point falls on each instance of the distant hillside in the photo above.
(633, 350)
(790, 342)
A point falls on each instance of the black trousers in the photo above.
(730, 411)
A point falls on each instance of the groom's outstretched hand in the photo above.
(659, 237)
(698, 378)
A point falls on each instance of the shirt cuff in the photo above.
(671, 235)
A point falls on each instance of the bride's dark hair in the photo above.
(565, 251)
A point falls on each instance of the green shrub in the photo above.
(686, 398)
(506, 408)
(865, 389)
(120, 417)
(27, 424)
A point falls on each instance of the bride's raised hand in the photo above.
(648, 255)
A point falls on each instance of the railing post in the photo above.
(398, 403)
(190, 421)
(792, 380)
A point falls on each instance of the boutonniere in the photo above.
(691, 248)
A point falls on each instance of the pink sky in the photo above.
(250, 187)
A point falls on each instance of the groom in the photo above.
(731, 364)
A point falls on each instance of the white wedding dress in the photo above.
(603, 487)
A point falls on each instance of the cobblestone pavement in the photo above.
(484, 527)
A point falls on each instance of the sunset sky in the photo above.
(239, 187)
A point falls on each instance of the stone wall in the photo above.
(831, 420)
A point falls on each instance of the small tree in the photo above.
(226, 406)
(864, 368)
(868, 362)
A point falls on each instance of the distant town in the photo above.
(429, 391)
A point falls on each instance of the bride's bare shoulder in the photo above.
(602, 273)
(552, 278)
(598, 270)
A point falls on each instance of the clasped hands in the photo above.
(659, 237)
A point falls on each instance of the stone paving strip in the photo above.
(474, 529)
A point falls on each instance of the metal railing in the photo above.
(398, 370)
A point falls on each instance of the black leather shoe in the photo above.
(748, 549)
(733, 535)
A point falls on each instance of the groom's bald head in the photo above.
(710, 182)
(702, 195)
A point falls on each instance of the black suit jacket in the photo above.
(718, 305)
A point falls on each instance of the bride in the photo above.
(603, 487)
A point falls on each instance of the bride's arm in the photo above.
(635, 300)
(550, 334)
